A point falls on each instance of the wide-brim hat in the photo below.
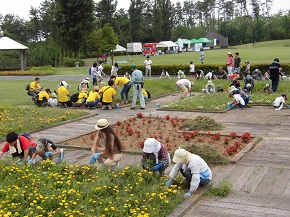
(101, 124)
(86, 81)
(53, 95)
(150, 145)
(229, 53)
(64, 84)
(209, 82)
(232, 88)
(179, 156)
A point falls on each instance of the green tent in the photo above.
(204, 40)
(193, 41)
(185, 41)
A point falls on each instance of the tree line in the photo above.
(72, 28)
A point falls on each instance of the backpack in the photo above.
(74, 97)
(101, 95)
(26, 135)
(27, 87)
(90, 72)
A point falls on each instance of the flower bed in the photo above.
(171, 132)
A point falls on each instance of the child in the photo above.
(192, 69)
(93, 73)
(53, 100)
(164, 74)
(280, 101)
(238, 101)
(180, 74)
(45, 148)
(155, 156)
(209, 88)
(94, 98)
(220, 89)
(84, 84)
(267, 88)
(201, 55)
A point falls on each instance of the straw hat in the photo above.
(101, 124)
(229, 53)
(209, 82)
(232, 88)
(53, 95)
(179, 156)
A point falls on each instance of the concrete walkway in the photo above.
(260, 180)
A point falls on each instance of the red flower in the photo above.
(186, 137)
(237, 144)
(130, 131)
(233, 135)
(119, 123)
(167, 117)
(141, 144)
(226, 140)
(139, 115)
(149, 121)
(167, 139)
(246, 137)
(215, 137)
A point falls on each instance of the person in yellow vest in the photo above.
(93, 98)
(126, 83)
(83, 95)
(42, 98)
(63, 95)
(108, 95)
(34, 88)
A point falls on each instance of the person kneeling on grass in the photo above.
(238, 101)
(52, 102)
(82, 97)
(155, 156)
(113, 146)
(192, 167)
(46, 149)
(280, 101)
(94, 98)
(42, 98)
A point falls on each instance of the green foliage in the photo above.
(70, 62)
(208, 153)
(109, 39)
(84, 191)
(222, 190)
(202, 123)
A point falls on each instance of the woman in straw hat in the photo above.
(192, 167)
(113, 146)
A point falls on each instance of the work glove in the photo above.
(31, 161)
(188, 194)
(288, 106)
(158, 166)
(169, 183)
(21, 162)
(48, 153)
(94, 158)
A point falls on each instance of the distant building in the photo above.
(218, 39)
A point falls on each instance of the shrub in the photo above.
(202, 123)
(70, 62)
(222, 190)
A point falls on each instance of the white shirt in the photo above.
(100, 68)
(184, 82)
(239, 99)
(148, 63)
(192, 67)
(277, 102)
(52, 102)
(196, 165)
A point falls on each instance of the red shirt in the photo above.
(233, 76)
(24, 144)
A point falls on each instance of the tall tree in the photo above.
(105, 12)
(157, 21)
(135, 14)
(74, 21)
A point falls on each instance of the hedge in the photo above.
(173, 69)
(70, 62)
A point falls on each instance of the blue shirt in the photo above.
(137, 76)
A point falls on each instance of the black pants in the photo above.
(187, 174)
(275, 83)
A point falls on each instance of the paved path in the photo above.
(260, 180)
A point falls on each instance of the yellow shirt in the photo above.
(108, 94)
(62, 93)
(81, 96)
(121, 80)
(43, 94)
(144, 92)
(93, 96)
(33, 85)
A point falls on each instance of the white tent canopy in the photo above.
(166, 44)
(120, 48)
(9, 44)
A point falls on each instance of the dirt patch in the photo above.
(171, 132)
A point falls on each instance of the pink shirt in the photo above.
(230, 61)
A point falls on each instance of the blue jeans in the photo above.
(275, 84)
(187, 174)
(93, 104)
(125, 90)
(31, 93)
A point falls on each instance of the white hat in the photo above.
(101, 124)
(151, 145)
(179, 156)
(85, 81)
(232, 88)
(209, 82)
(53, 95)
(229, 53)
(64, 84)
(248, 85)
(267, 85)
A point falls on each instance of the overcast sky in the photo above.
(22, 7)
